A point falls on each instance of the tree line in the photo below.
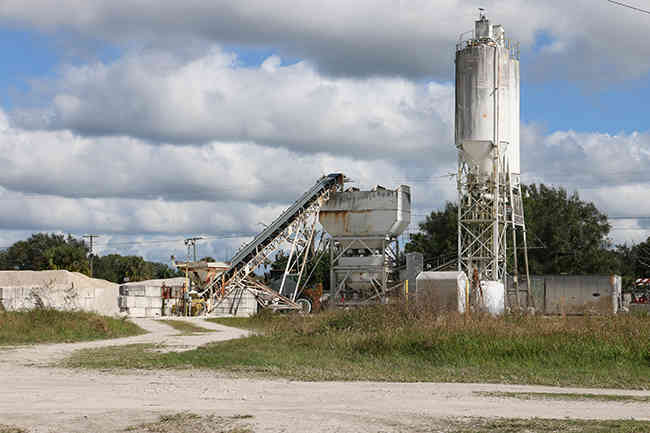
(566, 235)
(44, 251)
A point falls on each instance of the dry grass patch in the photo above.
(186, 327)
(251, 323)
(192, 423)
(393, 343)
(54, 326)
(566, 396)
(537, 425)
(11, 429)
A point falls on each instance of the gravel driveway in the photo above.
(59, 400)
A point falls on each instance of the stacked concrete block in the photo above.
(239, 303)
(144, 298)
(141, 301)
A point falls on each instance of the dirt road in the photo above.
(58, 400)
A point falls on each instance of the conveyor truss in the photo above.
(294, 228)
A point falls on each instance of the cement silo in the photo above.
(364, 252)
(487, 97)
(487, 138)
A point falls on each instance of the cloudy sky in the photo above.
(148, 121)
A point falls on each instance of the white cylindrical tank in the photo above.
(493, 299)
(487, 98)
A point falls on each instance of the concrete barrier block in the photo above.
(137, 312)
(7, 292)
(142, 302)
(152, 291)
(155, 302)
(153, 312)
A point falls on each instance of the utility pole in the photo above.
(91, 237)
(191, 242)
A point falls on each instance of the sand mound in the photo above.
(24, 290)
(50, 278)
(169, 282)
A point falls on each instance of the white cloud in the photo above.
(556, 47)
(61, 181)
(413, 38)
(65, 164)
(130, 190)
(127, 189)
(587, 159)
(162, 98)
(608, 170)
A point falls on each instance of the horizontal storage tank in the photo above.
(372, 215)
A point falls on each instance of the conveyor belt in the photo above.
(249, 251)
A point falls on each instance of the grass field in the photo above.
(53, 326)
(566, 396)
(185, 327)
(483, 425)
(395, 344)
(191, 423)
(255, 323)
(11, 429)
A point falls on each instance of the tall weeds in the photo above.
(517, 344)
(50, 325)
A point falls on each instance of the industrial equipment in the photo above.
(196, 297)
(364, 251)
(295, 228)
(487, 138)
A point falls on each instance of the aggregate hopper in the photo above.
(364, 252)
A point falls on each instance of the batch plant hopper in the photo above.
(364, 250)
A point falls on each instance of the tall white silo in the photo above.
(487, 138)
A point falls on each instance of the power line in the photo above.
(91, 237)
(639, 229)
(168, 241)
(629, 6)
